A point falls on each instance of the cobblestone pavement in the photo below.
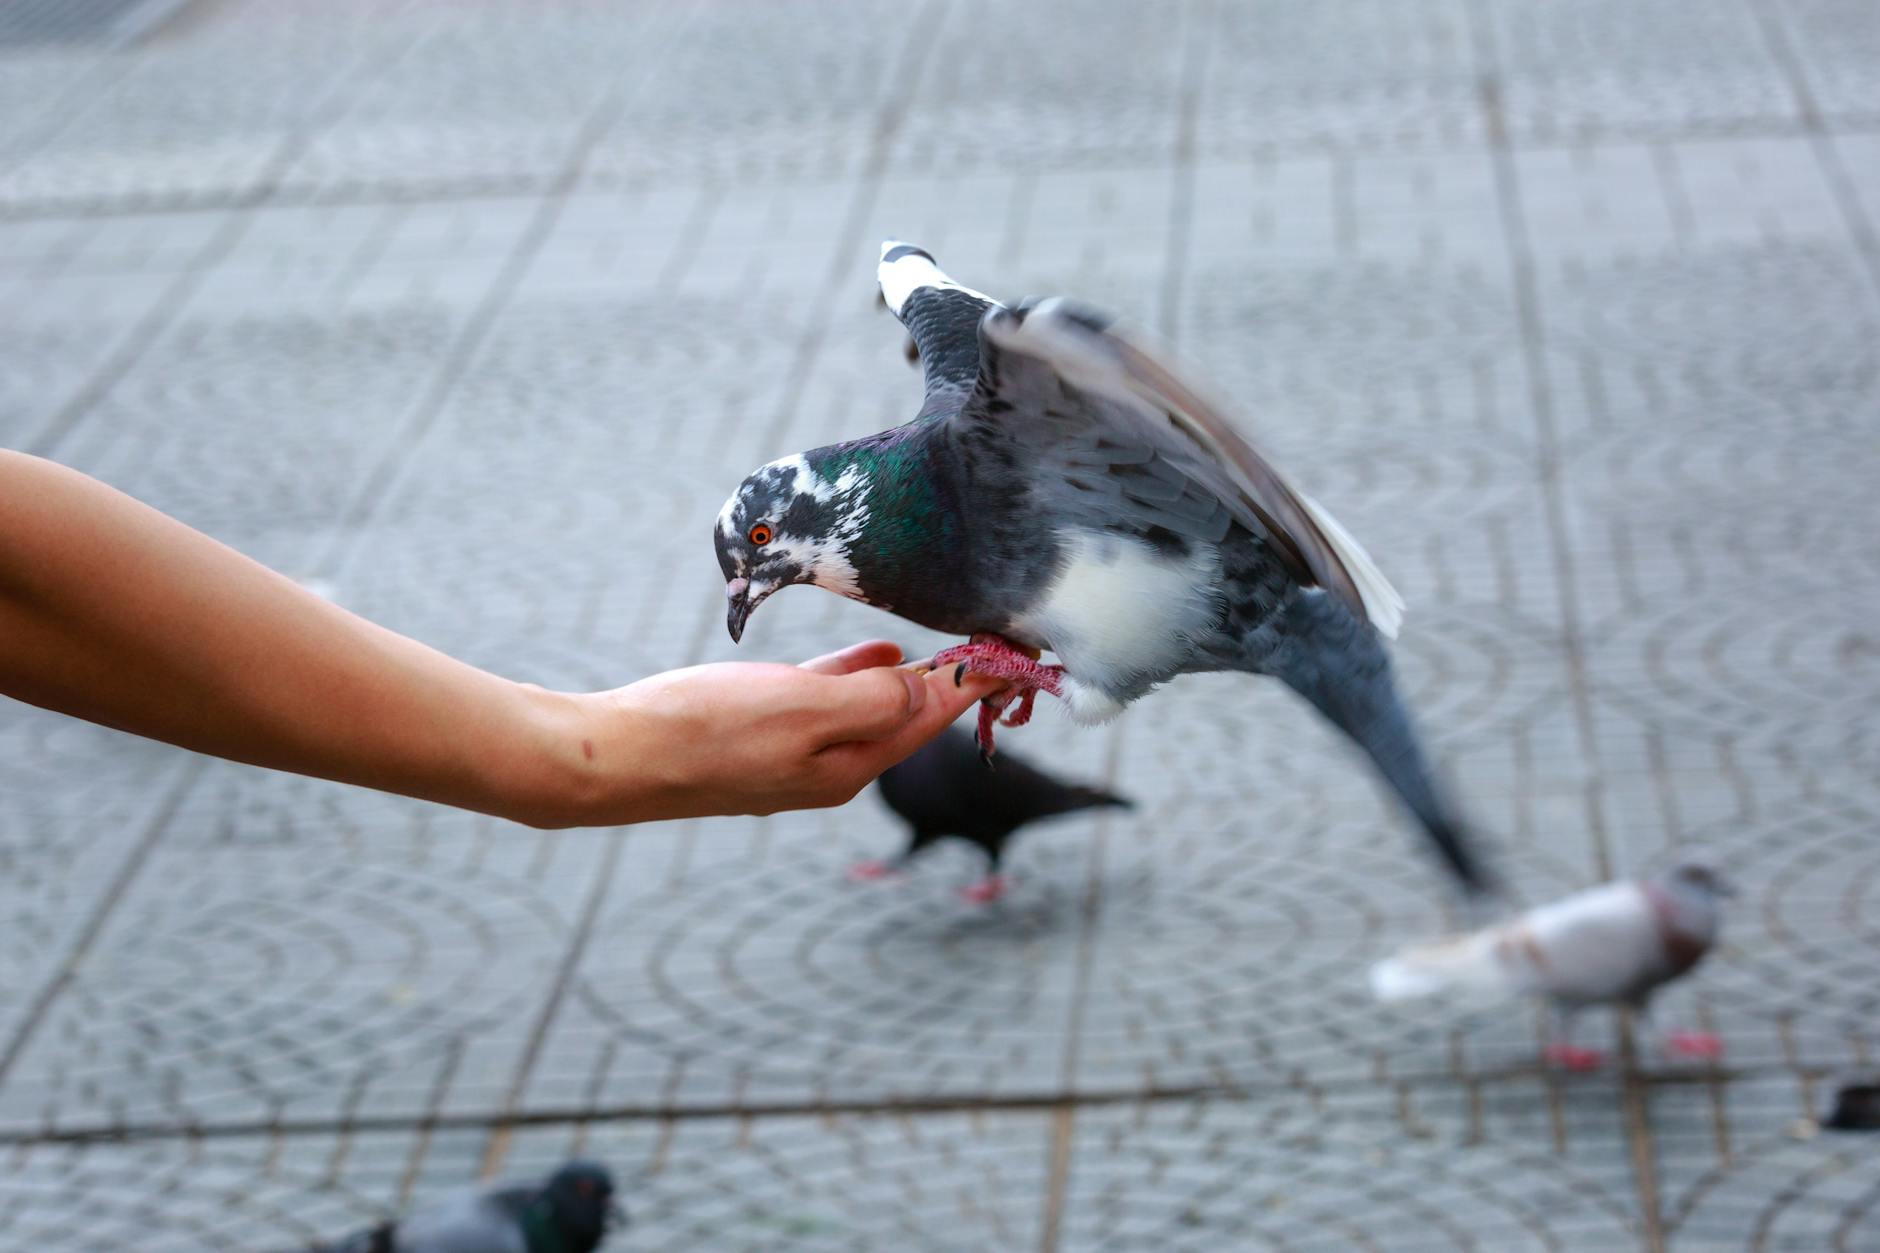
(474, 310)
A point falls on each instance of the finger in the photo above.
(870, 704)
(864, 656)
(945, 703)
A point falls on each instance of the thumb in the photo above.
(871, 704)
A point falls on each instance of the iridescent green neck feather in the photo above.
(908, 554)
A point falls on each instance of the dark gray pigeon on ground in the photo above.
(570, 1213)
(945, 790)
(1061, 489)
(1856, 1108)
(1614, 944)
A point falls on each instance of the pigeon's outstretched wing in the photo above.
(1136, 446)
(1599, 945)
(942, 316)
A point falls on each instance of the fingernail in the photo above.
(916, 692)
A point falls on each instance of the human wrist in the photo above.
(548, 773)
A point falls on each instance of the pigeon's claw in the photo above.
(999, 657)
(1699, 1044)
(1579, 1060)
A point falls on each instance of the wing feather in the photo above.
(1148, 405)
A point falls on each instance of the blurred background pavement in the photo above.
(474, 311)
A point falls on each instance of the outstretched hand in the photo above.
(752, 737)
(114, 612)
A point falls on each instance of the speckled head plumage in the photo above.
(794, 520)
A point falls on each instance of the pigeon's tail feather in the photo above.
(1050, 798)
(1339, 664)
(1395, 979)
(1082, 798)
(1465, 966)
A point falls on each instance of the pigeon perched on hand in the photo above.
(1614, 944)
(1061, 489)
(945, 790)
(570, 1213)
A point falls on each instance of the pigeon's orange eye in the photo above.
(760, 534)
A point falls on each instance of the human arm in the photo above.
(114, 612)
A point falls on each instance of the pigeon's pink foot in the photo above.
(871, 872)
(1578, 1060)
(1700, 1044)
(986, 891)
(1001, 658)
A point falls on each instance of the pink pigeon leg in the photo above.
(1699, 1044)
(1571, 1057)
(872, 871)
(987, 890)
(999, 657)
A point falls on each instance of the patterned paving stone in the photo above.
(495, 101)
(1570, 72)
(1744, 1166)
(245, 985)
(227, 426)
(1835, 42)
(736, 966)
(474, 312)
(933, 1181)
(223, 1194)
(208, 115)
(1357, 1172)
(1046, 93)
(77, 296)
(1375, 76)
(753, 93)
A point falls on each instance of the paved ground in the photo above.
(475, 311)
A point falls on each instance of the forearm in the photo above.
(114, 612)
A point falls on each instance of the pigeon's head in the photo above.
(1698, 880)
(578, 1204)
(1695, 894)
(792, 521)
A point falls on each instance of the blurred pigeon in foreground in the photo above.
(1612, 944)
(945, 790)
(1856, 1108)
(1060, 488)
(571, 1213)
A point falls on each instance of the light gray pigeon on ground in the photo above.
(1062, 489)
(1614, 944)
(570, 1213)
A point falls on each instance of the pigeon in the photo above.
(1856, 1108)
(943, 790)
(570, 1213)
(1613, 944)
(1061, 489)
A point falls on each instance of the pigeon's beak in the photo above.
(738, 607)
(742, 597)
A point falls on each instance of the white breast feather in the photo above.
(1119, 610)
(1047, 334)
